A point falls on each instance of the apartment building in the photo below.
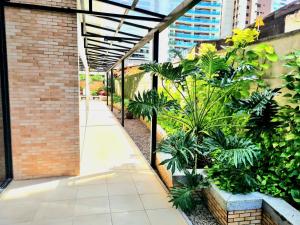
(245, 12)
(203, 22)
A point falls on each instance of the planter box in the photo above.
(237, 209)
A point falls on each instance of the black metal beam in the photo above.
(154, 86)
(106, 88)
(125, 22)
(111, 90)
(103, 59)
(100, 57)
(112, 57)
(112, 30)
(103, 54)
(96, 47)
(123, 91)
(106, 43)
(101, 62)
(150, 13)
(71, 10)
(91, 5)
(172, 17)
(109, 38)
(5, 100)
(95, 53)
(105, 51)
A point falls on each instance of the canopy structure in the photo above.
(109, 32)
(124, 27)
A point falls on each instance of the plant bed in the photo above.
(253, 208)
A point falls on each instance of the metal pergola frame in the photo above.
(106, 54)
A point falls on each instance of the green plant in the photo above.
(81, 77)
(94, 93)
(183, 150)
(231, 150)
(278, 172)
(262, 108)
(233, 160)
(188, 192)
(97, 78)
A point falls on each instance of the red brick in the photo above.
(43, 85)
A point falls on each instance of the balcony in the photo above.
(193, 36)
(195, 20)
(209, 4)
(204, 12)
(192, 28)
(182, 44)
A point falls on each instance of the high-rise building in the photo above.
(203, 22)
(246, 11)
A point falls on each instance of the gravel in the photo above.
(202, 216)
(140, 134)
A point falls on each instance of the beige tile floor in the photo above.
(116, 185)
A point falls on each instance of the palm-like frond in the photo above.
(175, 53)
(211, 64)
(165, 70)
(230, 76)
(232, 149)
(182, 149)
(148, 102)
(262, 107)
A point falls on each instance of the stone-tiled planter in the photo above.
(238, 209)
(234, 209)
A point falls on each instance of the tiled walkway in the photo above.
(116, 185)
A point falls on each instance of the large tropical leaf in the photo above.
(148, 102)
(182, 149)
(183, 198)
(231, 75)
(186, 195)
(165, 70)
(262, 107)
(232, 150)
(210, 64)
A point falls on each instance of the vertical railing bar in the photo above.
(154, 87)
(123, 92)
(106, 88)
(111, 90)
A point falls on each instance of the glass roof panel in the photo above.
(125, 2)
(133, 30)
(159, 6)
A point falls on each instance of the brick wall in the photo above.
(224, 217)
(267, 220)
(44, 90)
(56, 3)
(252, 217)
(214, 207)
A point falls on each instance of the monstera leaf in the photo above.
(262, 107)
(148, 102)
(231, 149)
(165, 70)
